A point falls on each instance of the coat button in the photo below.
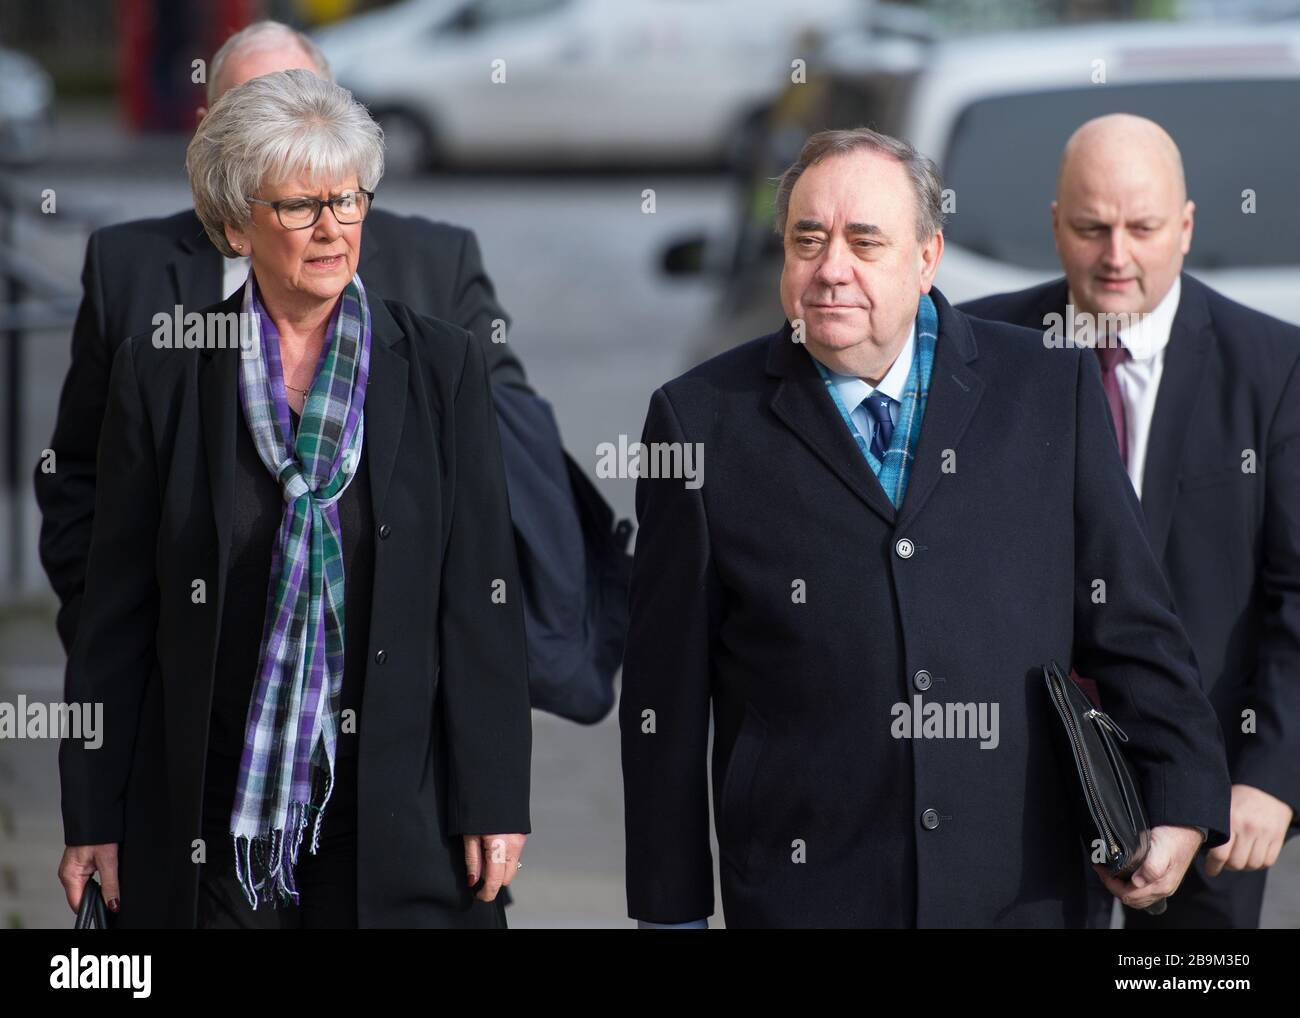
(384, 531)
(381, 657)
(904, 548)
(922, 680)
(930, 819)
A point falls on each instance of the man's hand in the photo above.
(1172, 851)
(495, 857)
(80, 863)
(1259, 823)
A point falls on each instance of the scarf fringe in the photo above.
(264, 864)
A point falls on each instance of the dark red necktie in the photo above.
(1110, 357)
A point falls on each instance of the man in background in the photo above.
(1204, 398)
(569, 550)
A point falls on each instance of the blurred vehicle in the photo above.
(995, 112)
(587, 82)
(26, 98)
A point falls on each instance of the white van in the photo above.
(995, 111)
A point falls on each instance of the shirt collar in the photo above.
(1150, 334)
(854, 390)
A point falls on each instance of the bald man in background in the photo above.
(1205, 401)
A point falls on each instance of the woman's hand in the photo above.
(80, 863)
(495, 857)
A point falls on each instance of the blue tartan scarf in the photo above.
(286, 771)
(894, 471)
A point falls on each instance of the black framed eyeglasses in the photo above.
(299, 213)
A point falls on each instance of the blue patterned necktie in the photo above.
(877, 405)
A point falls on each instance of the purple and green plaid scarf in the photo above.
(286, 772)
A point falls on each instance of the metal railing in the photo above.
(32, 299)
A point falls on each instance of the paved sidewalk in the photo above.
(573, 872)
(573, 875)
(31, 830)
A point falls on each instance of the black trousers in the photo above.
(1100, 902)
(1230, 901)
(326, 880)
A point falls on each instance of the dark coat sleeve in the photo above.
(573, 639)
(1129, 640)
(66, 495)
(1269, 759)
(664, 705)
(572, 564)
(483, 671)
(114, 654)
(476, 308)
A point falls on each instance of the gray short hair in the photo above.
(260, 36)
(926, 181)
(273, 128)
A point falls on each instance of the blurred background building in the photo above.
(543, 125)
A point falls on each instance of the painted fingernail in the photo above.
(471, 879)
(113, 904)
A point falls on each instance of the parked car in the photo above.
(995, 111)
(587, 82)
(26, 99)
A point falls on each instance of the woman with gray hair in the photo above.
(302, 611)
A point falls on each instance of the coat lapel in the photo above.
(801, 402)
(1190, 340)
(803, 405)
(1053, 298)
(385, 400)
(196, 271)
(955, 391)
(218, 410)
(368, 264)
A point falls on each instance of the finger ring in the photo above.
(519, 865)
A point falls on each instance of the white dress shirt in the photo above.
(1139, 376)
(233, 273)
(855, 391)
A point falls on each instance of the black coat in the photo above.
(1229, 539)
(563, 530)
(444, 724)
(1010, 514)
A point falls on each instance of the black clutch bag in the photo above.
(1104, 793)
(92, 915)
